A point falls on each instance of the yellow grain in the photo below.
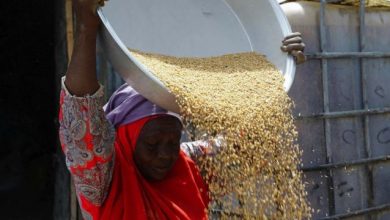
(240, 96)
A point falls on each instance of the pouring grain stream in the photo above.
(240, 96)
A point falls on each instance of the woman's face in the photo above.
(158, 147)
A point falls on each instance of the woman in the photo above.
(126, 161)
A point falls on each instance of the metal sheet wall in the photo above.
(341, 96)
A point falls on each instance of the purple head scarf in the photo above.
(126, 105)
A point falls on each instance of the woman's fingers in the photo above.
(290, 47)
(292, 35)
(293, 40)
(101, 2)
(85, 13)
(293, 45)
(299, 56)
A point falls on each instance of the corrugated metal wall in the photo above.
(342, 95)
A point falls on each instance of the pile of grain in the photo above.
(379, 4)
(385, 4)
(240, 96)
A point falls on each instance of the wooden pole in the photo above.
(70, 43)
(61, 206)
(69, 27)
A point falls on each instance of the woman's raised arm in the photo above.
(87, 138)
(81, 76)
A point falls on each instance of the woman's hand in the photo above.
(293, 45)
(85, 12)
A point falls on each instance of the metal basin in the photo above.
(190, 28)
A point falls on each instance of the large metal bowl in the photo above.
(190, 28)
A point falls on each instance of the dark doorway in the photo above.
(28, 136)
